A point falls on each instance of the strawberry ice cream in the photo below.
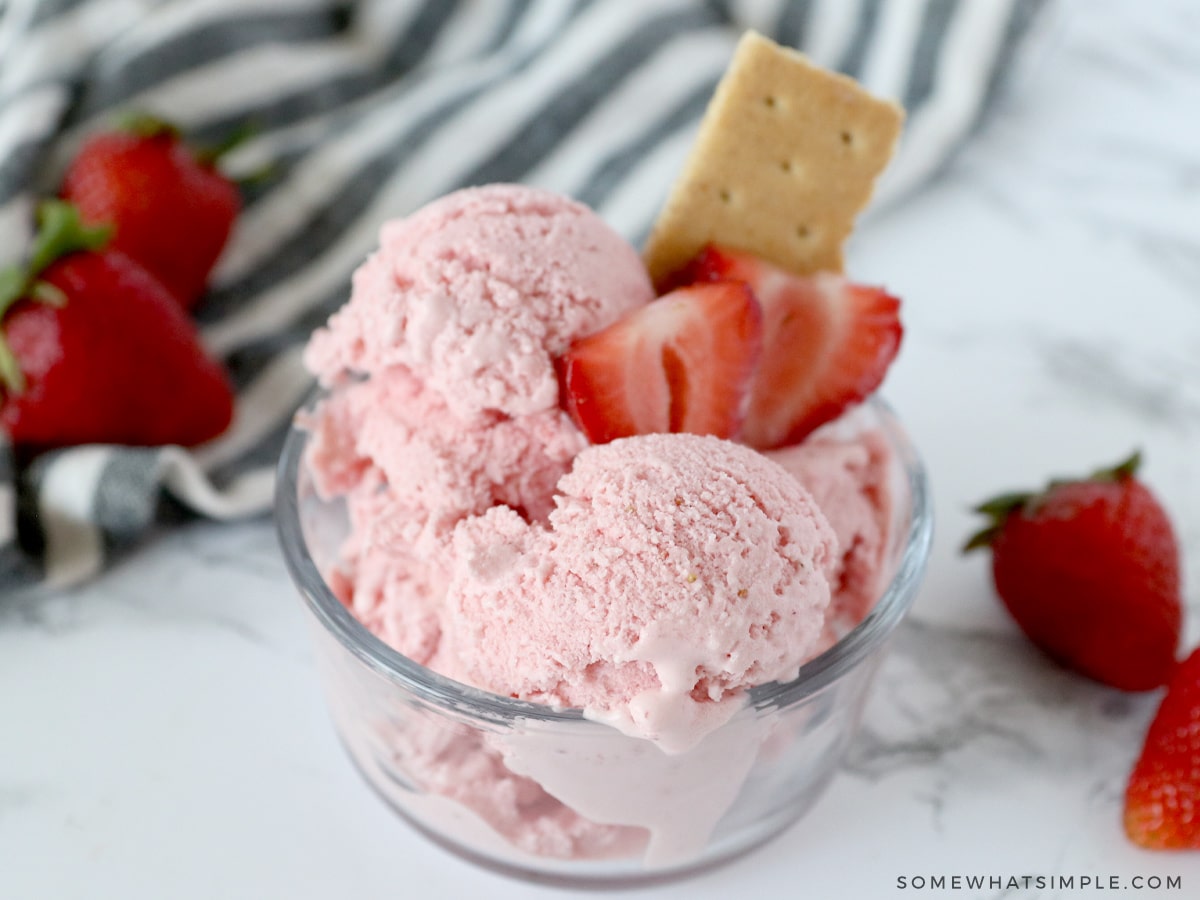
(848, 479)
(478, 291)
(410, 469)
(450, 332)
(651, 581)
(674, 571)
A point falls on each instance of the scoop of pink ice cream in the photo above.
(674, 571)
(410, 469)
(397, 596)
(435, 466)
(848, 478)
(478, 291)
(457, 762)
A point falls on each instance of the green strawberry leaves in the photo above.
(60, 232)
(1000, 507)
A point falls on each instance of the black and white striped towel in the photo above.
(368, 109)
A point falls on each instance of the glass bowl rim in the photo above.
(388, 663)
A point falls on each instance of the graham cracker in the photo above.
(786, 157)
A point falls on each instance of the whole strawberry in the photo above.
(170, 209)
(1162, 800)
(1090, 571)
(94, 350)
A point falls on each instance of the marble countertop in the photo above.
(164, 736)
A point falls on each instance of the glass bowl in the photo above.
(548, 795)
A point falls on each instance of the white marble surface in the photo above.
(162, 734)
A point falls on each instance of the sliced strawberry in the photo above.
(1162, 799)
(827, 343)
(681, 363)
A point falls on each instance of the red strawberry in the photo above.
(111, 358)
(172, 211)
(827, 343)
(1162, 800)
(680, 363)
(1090, 571)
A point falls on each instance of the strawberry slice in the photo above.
(827, 343)
(1162, 798)
(681, 363)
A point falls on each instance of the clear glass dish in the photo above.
(505, 783)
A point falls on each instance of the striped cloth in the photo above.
(369, 109)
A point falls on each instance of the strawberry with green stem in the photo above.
(1090, 570)
(93, 349)
(171, 209)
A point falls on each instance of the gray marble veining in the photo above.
(1155, 389)
(945, 691)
